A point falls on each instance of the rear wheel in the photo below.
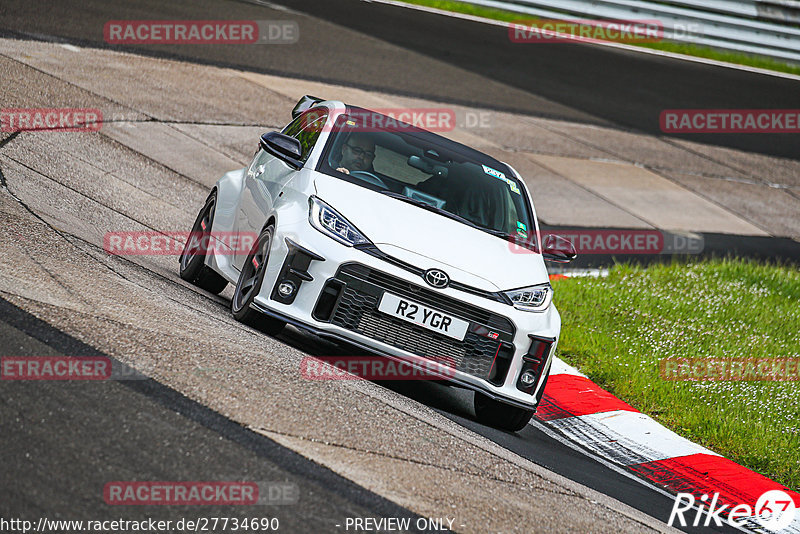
(500, 415)
(193, 268)
(249, 285)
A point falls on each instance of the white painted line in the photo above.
(626, 438)
(542, 427)
(620, 46)
(273, 5)
(558, 367)
(793, 528)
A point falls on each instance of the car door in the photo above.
(267, 175)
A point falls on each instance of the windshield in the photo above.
(412, 165)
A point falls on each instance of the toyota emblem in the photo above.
(437, 278)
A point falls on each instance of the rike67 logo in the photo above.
(775, 510)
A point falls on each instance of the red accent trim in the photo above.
(558, 277)
(571, 396)
(495, 358)
(700, 474)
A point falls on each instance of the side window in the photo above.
(306, 128)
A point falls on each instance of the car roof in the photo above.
(461, 150)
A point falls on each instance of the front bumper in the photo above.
(338, 288)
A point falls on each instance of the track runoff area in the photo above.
(663, 463)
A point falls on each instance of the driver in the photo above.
(358, 153)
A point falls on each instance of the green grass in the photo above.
(472, 9)
(680, 48)
(728, 57)
(617, 329)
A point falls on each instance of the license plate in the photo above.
(420, 315)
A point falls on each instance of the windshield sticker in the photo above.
(521, 225)
(351, 123)
(491, 172)
(500, 176)
(522, 233)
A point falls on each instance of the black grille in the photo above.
(357, 310)
(428, 297)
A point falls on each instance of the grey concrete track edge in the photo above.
(173, 400)
(599, 84)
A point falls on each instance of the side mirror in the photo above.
(284, 147)
(558, 249)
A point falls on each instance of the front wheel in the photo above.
(500, 415)
(249, 285)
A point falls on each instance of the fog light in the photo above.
(286, 289)
(528, 378)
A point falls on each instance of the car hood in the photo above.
(427, 240)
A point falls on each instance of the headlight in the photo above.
(534, 298)
(328, 221)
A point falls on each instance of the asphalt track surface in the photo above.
(587, 83)
(95, 431)
(572, 82)
(766, 249)
(92, 432)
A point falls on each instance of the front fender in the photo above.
(229, 189)
(291, 206)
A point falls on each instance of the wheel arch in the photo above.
(228, 189)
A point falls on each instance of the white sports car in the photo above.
(396, 240)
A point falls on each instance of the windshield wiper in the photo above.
(429, 207)
(459, 218)
(498, 233)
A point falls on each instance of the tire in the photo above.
(501, 415)
(250, 280)
(193, 268)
